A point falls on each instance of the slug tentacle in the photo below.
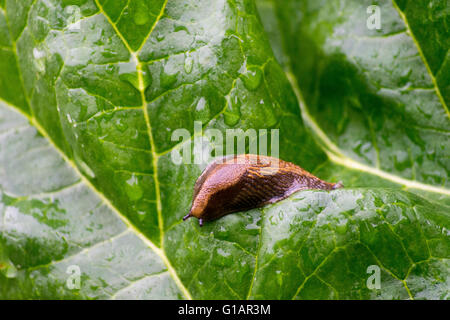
(243, 182)
(338, 185)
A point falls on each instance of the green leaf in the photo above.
(90, 93)
(376, 100)
(375, 97)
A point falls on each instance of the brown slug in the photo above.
(243, 182)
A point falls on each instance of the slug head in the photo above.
(215, 190)
(197, 211)
(338, 185)
(212, 203)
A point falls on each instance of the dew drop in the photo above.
(147, 78)
(223, 253)
(180, 28)
(341, 228)
(8, 269)
(141, 16)
(270, 117)
(233, 113)
(39, 60)
(83, 166)
(201, 104)
(106, 53)
(231, 119)
(252, 78)
(131, 79)
(127, 73)
(38, 54)
(167, 80)
(160, 37)
(202, 112)
(188, 63)
(121, 125)
(133, 189)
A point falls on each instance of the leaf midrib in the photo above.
(33, 121)
(141, 89)
(159, 251)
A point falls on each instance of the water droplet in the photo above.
(38, 54)
(147, 77)
(121, 125)
(252, 78)
(223, 253)
(106, 53)
(270, 117)
(141, 16)
(233, 113)
(231, 119)
(8, 269)
(401, 160)
(127, 73)
(131, 79)
(160, 36)
(180, 28)
(83, 111)
(188, 63)
(341, 228)
(224, 258)
(405, 76)
(167, 80)
(133, 189)
(39, 59)
(201, 104)
(253, 225)
(83, 166)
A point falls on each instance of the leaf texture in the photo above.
(91, 91)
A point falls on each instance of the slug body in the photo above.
(243, 182)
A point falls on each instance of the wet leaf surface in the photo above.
(91, 92)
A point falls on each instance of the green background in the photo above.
(90, 92)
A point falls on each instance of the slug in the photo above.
(243, 182)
